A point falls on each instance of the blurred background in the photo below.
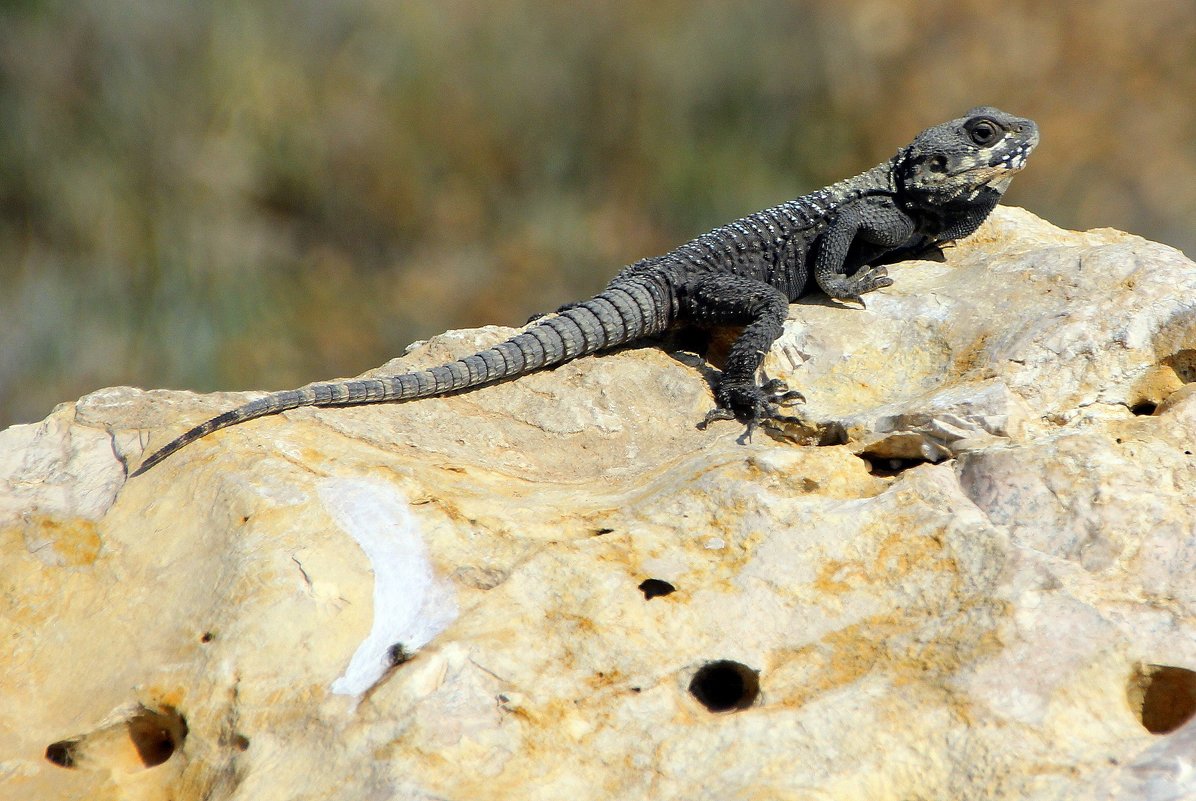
(234, 195)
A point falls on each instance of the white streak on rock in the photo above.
(411, 605)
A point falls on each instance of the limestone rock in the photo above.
(559, 588)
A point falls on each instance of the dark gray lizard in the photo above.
(936, 190)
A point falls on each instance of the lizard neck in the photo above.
(878, 181)
(945, 219)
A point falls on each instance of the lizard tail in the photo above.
(614, 317)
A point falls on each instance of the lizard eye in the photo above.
(982, 131)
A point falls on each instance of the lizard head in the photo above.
(957, 161)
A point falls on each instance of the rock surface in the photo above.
(559, 588)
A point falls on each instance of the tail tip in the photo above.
(143, 467)
(149, 462)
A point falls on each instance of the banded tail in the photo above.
(620, 314)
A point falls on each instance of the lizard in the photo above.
(936, 190)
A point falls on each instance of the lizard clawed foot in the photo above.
(717, 413)
(778, 392)
(753, 404)
(873, 278)
(852, 288)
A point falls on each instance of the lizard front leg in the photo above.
(727, 299)
(875, 229)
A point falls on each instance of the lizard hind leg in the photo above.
(728, 299)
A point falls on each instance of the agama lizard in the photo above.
(936, 190)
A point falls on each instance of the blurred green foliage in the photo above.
(235, 195)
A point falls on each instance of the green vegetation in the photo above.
(236, 195)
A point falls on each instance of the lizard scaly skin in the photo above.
(938, 189)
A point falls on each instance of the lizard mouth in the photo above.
(998, 173)
(1015, 160)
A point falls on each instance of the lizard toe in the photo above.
(717, 413)
(774, 387)
(788, 398)
(753, 405)
(777, 391)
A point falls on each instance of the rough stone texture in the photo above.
(986, 593)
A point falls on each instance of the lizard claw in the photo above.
(872, 278)
(779, 393)
(717, 413)
(849, 290)
(754, 405)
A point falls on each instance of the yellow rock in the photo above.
(559, 588)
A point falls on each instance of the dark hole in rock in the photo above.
(651, 588)
(240, 742)
(62, 753)
(150, 736)
(157, 734)
(398, 653)
(1144, 408)
(886, 466)
(725, 685)
(827, 434)
(601, 531)
(1163, 696)
(207, 637)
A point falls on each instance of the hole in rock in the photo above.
(887, 466)
(1163, 696)
(1144, 408)
(831, 433)
(240, 742)
(598, 532)
(725, 685)
(397, 654)
(206, 637)
(652, 588)
(157, 734)
(145, 739)
(62, 753)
